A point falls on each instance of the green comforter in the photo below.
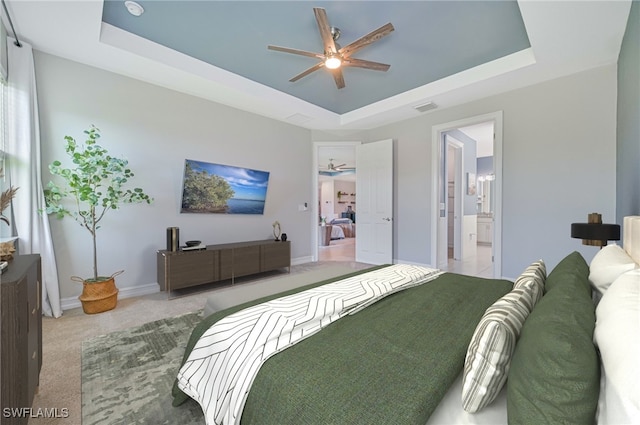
(389, 364)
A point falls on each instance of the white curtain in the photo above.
(24, 171)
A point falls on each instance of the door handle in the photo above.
(387, 219)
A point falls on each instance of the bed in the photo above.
(439, 351)
(342, 228)
(337, 232)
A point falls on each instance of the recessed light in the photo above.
(134, 8)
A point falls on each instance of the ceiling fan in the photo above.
(334, 56)
(341, 167)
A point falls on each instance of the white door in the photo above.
(374, 208)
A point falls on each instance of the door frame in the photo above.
(315, 213)
(437, 134)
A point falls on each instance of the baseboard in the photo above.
(132, 291)
(301, 260)
(413, 263)
(151, 288)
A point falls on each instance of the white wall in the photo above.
(156, 129)
(340, 205)
(326, 199)
(559, 158)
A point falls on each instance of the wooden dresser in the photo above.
(21, 335)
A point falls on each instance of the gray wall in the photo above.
(558, 165)
(156, 129)
(628, 169)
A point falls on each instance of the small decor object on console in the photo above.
(173, 238)
(193, 243)
(193, 247)
(276, 230)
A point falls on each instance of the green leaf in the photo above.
(94, 180)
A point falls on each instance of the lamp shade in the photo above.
(596, 231)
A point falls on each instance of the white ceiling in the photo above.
(565, 37)
(483, 135)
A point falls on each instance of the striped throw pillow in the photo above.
(494, 340)
(536, 275)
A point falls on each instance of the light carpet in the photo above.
(127, 375)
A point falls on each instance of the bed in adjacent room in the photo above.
(407, 344)
(342, 228)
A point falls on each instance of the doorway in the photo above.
(373, 216)
(466, 196)
(335, 181)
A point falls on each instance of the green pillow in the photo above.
(555, 373)
(570, 266)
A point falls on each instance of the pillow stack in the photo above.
(617, 335)
(555, 373)
(494, 339)
(609, 263)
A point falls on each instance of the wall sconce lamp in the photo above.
(594, 232)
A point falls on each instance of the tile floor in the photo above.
(481, 265)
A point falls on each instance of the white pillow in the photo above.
(609, 263)
(617, 335)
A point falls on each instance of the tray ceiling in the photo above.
(445, 52)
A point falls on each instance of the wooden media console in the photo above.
(183, 269)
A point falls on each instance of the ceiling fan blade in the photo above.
(307, 72)
(361, 63)
(295, 51)
(325, 30)
(365, 40)
(338, 77)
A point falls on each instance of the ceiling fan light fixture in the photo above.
(335, 56)
(333, 62)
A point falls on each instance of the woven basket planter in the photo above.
(100, 296)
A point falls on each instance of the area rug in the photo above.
(127, 375)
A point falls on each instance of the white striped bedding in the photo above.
(226, 359)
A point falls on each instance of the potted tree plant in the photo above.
(95, 184)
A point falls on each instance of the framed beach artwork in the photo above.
(222, 189)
